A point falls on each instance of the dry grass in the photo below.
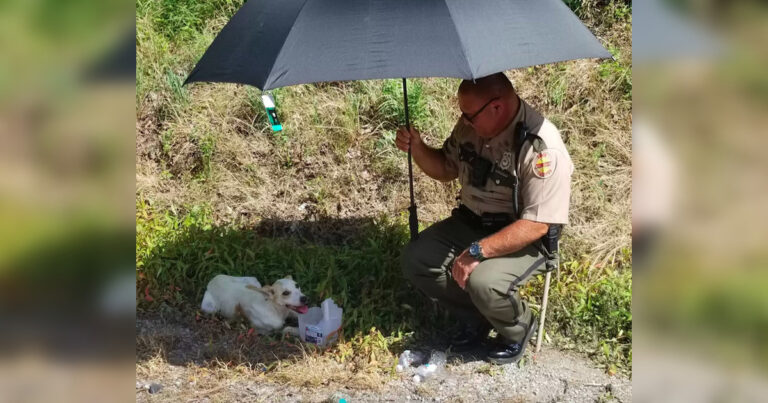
(341, 167)
(209, 143)
(223, 352)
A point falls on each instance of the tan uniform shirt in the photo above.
(544, 178)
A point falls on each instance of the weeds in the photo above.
(207, 147)
(175, 83)
(606, 11)
(392, 108)
(185, 18)
(557, 87)
(592, 308)
(256, 106)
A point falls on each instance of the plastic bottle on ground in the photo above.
(408, 358)
(436, 363)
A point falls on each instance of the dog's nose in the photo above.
(304, 300)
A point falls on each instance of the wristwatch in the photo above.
(476, 251)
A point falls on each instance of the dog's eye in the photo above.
(286, 293)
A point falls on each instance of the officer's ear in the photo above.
(495, 106)
(501, 103)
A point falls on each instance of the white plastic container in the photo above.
(321, 325)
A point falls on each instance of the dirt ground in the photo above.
(204, 360)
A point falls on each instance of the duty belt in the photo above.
(487, 221)
(492, 222)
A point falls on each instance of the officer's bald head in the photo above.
(488, 104)
(495, 85)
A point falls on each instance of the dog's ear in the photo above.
(288, 277)
(263, 290)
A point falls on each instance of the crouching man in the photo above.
(515, 175)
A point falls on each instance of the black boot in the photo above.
(507, 353)
(468, 337)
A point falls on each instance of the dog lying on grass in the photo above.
(266, 307)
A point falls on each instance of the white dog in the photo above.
(265, 307)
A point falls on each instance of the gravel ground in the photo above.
(186, 374)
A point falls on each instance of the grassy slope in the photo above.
(325, 199)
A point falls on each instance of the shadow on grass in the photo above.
(355, 261)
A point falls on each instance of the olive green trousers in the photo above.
(491, 293)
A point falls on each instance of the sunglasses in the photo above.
(474, 115)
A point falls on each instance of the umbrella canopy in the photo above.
(280, 43)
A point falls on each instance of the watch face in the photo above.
(474, 249)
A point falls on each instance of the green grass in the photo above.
(185, 18)
(606, 11)
(175, 83)
(597, 312)
(617, 74)
(207, 146)
(557, 87)
(392, 107)
(179, 251)
(186, 250)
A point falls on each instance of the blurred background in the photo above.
(700, 192)
(67, 120)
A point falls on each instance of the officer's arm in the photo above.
(433, 162)
(545, 198)
(512, 238)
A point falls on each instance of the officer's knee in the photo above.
(480, 289)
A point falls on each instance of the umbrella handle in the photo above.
(413, 220)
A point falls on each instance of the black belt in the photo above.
(492, 222)
(487, 221)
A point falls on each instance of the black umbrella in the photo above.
(286, 42)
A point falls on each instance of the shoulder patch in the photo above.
(544, 164)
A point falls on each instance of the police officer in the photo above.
(515, 175)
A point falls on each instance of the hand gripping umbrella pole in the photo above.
(413, 219)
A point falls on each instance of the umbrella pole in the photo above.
(413, 220)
